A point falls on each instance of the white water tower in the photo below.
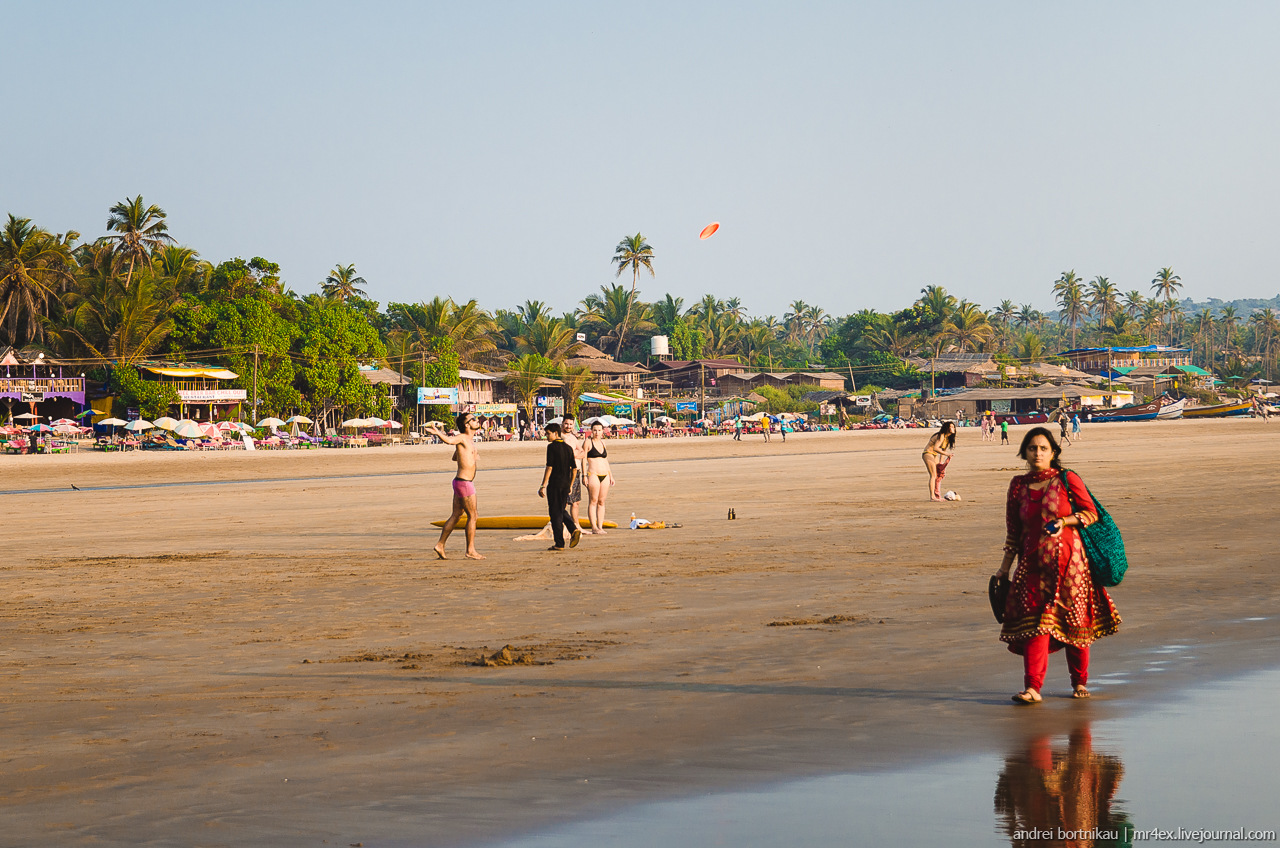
(658, 346)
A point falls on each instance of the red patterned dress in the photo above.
(1052, 592)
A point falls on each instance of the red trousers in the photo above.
(1035, 663)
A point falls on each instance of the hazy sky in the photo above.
(853, 153)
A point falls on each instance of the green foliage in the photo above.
(150, 397)
(334, 340)
(788, 400)
(685, 341)
(441, 372)
(236, 278)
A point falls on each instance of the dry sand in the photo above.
(235, 649)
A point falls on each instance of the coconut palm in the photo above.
(890, 337)
(667, 311)
(1266, 326)
(1134, 303)
(140, 232)
(343, 284)
(35, 268)
(1030, 348)
(548, 337)
(577, 379)
(1103, 298)
(756, 343)
(115, 320)
(796, 321)
(472, 330)
(1227, 321)
(525, 378)
(635, 253)
(1166, 285)
(720, 334)
(1028, 316)
(613, 309)
(968, 327)
(1071, 301)
(182, 267)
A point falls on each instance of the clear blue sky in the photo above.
(853, 153)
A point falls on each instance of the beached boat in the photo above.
(1034, 418)
(1219, 410)
(1139, 412)
(1172, 409)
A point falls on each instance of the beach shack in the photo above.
(619, 376)
(971, 403)
(197, 385)
(35, 383)
(697, 374)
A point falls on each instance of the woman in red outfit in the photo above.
(1053, 602)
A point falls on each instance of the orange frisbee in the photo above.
(709, 230)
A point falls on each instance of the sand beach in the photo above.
(260, 649)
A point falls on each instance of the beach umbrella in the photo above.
(664, 419)
(394, 425)
(113, 422)
(224, 426)
(166, 423)
(66, 428)
(211, 430)
(270, 422)
(41, 428)
(89, 411)
(26, 415)
(138, 425)
(353, 422)
(188, 430)
(62, 421)
(374, 421)
(299, 419)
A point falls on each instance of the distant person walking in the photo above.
(1004, 432)
(737, 429)
(1053, 602)
(1075, 425)
(467, 455)
(937, 455)
(557, 480)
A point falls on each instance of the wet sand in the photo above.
(234, 649)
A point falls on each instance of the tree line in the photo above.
(133, 293)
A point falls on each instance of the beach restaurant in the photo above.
(39, 384)
(197, 385)
(971, 403)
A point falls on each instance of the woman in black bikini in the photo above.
(599, 477)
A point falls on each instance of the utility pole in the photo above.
(702, 404)
(255, 383)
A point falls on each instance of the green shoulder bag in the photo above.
(1103, 544)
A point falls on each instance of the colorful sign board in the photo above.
(686, 406)
(622, 409)
(445, 397)
(495, 409)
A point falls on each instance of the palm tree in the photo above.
(1266, 325)
(796, 321)
(472, 330)
(182, 267)
(608, 312)
(531, 310)
(1030, 348)
(816, 325)
(1102, 298)
(890, 337)
(1134, 303)
(756, 343)
(667, 311)
(734, 308)
(1118, 325)
(1228, 321)
(525, 379)
(577, 379)
(1165, 285)
(1070, 301)
(548, 337)
(720, 334)
(343, 283)
(938, 303)
(635, 253)
(1027, 315)
(35, 267)
(140, 232)
(1204, 329)
(967, 327)
(116, 321)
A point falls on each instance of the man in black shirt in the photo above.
(557, 480)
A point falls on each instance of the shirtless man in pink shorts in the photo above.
(464, 488)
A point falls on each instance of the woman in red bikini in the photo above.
(1053, 602)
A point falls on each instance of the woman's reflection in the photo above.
(1061, 796)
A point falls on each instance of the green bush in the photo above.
(152, 399)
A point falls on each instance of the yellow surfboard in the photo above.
(516, 522)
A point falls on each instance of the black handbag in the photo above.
(998, 593)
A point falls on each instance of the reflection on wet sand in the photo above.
(1050, 795)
